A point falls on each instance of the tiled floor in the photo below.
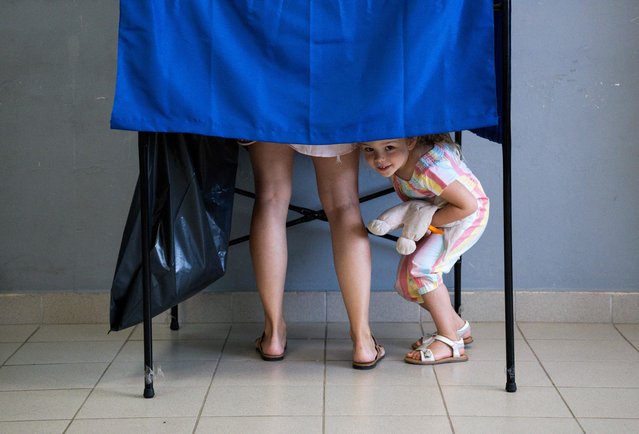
(571, 378)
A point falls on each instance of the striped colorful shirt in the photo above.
(420, 272)
(435, 171)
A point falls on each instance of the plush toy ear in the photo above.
(404, 246)
(379, 227)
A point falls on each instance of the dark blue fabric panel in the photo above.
(494, 133)
(313, 71)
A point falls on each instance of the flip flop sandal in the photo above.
(426, 356)
(430, 338)
(380, 354)
(268, 357)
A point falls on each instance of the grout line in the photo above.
(624, 337)
(549, 377)
(612, 313)
(20, 346)
(324, 383)
(441, 393)
(208, 390)
(99, 379)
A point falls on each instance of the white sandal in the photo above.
(430, 338)
(426, 356)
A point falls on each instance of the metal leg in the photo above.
(143, 150)
(458, 264)
(458, 270)
(511, 386)
(175, 325)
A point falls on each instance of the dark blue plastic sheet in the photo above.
(312, 71)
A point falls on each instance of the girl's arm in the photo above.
(461, 203)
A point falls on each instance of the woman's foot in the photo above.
(272, 344)
(371, 361)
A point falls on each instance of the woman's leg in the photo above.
(337, 188)
(272, 171)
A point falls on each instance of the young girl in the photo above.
(430, 168)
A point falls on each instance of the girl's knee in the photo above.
(414, 288)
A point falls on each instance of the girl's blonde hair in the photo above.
(432, 139)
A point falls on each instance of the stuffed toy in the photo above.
(414, 215)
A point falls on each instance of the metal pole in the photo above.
(458, 264)
(143, 151)
(511, 386)
(175, 323)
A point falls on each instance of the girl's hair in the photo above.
(432, 139)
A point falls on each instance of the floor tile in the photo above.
(594, 374)
(275, 400)
(182, 373)
(49, 371)
(630, 331)
(7, 349)
(64, 352)
(60, 376)
(186, 332)
(342, 349)
(387, 424)
(355, 400)
(491, 330)
(602, 402)
(569, 331)
(41, 404)
(610, 426)
(495, 349)
(165, 425)
(514, 425)
(296, 349)
(300, 330)
(16, 333)
(172, 350)
(387, 372)
(284, 373)
(495, 401)
(126, 402)
(381, 330)
(261, 424)
(34, 427)
(490, 373)
(77, 332)
(245, 331)
(584, 350)
(295, 330)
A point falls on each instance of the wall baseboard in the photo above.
(320, 306)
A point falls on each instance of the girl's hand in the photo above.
(461, 204)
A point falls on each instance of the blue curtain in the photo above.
(311, 71)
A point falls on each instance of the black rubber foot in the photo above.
(175, 325)
(149, 392)
(511, 387)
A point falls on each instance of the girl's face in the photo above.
(387, 156)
